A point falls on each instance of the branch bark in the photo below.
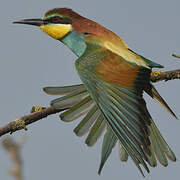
(166, 76)
(23, 121)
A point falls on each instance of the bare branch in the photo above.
(23, 121)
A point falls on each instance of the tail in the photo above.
(78, 102)
(151, 91)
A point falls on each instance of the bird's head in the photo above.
(58, 22)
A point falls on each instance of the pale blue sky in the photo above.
(31, 60)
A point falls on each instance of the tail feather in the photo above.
(167, 150)
(151, 91)
(157, 148)
(152, 159)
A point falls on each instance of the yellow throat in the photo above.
(56, 31)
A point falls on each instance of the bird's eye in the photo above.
(55, 19)
(58, 20)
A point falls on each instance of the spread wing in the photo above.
(76, 105)
(117, 86)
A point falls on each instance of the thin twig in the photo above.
(14, 150)
(23, 121)
(177, 56)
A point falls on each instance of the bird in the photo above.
(114, 79)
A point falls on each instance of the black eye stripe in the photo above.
(58, 20)
(66, 21)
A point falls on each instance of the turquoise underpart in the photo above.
(75, 42)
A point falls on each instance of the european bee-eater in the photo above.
(114, 78)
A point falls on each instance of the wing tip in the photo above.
(100, 168)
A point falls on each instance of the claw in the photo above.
(37, 109)
(155, 73)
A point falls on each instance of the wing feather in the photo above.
(129, 104)
(122, 106)
(96, 131)
(109, 142)
(87, 122)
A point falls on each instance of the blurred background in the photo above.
(30, 60)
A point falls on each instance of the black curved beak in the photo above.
(34, 22)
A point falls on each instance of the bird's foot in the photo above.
(36, 109)
(156, 73)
